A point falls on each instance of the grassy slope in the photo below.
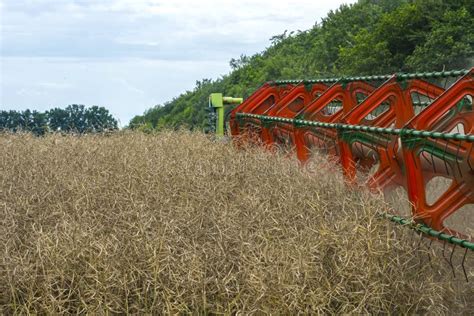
(372, 36)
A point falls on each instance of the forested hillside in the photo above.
(369, 37)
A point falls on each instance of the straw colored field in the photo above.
(175, 222)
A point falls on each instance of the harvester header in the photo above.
(403, 130)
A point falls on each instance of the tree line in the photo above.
(75, 118)
(368, 37)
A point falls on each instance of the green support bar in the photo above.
(404, 133)
(400, 76)
(430, 232)
(217, 101)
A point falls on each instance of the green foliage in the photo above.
(79, 119)
(368, 37)
(27, 120)
(451, 43)
(74, 118)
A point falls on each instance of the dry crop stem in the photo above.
(174, 222)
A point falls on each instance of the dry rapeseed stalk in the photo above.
(174, 222)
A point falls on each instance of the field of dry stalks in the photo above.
(176, 222)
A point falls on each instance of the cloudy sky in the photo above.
(129, 55)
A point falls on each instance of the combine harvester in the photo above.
(401, 130)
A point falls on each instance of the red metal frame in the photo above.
(306, 137)
(401, 160)
(400, 111)
(461, 192)
(260, 101)
(289, 106)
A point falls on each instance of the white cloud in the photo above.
(78, 47)
(151, 28)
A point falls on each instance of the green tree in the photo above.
(450, 43)
(79, 119)
(58, 120)
(74, 118)
(23, 121)
(98, 119)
